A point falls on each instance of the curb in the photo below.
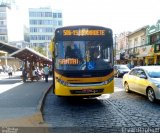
(41, 101)
(32, 120)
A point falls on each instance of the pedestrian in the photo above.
(50, 71)
(35, 74)
(46, 72)
(24, 74)
(1, 69)
(4, 68)
(10, 70)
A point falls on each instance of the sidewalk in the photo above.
(20, 103)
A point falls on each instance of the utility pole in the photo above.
(115, 45)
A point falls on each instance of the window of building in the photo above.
(59, 23)
(158, 38)
(3, 22)
(153, 38)
(3, 30)
(33, 22)
(135, 42)
(3, 38)
(2, 14)
(54, 22)
(59, 15)
(54, 15)
(48, 14)
(142, 40)
(130, 44)
(40, 30)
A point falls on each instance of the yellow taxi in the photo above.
(144, 80)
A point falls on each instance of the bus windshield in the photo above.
(82, 55)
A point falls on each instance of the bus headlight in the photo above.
(108, 81)
(62, 82)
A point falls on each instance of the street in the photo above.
(117, 112)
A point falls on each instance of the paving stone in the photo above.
(120, 110)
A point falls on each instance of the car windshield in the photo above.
(154, 73)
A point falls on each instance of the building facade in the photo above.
(141, 47)
(42, 24)
(137, 46)
(9, 23)
(153, 39)
(132, 47)
(3, 23)
(121, 48)
(11, 29)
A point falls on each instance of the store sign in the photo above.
(145, 51)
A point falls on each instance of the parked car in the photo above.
(144, 80)
(120, 70)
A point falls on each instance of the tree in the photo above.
(40, 50)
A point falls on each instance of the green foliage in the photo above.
(41, 50)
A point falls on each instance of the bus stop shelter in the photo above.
(31, 59)
(6, 49)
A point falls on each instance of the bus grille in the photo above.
(87, 91)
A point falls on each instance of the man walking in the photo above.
(24, 74)
(46, 72)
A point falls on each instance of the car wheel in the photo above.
(126, 87)
(151, 95)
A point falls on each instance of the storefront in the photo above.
(153, 37)
(145, 55)
(141, 61)
(121, 59)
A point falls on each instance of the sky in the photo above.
(119, 15)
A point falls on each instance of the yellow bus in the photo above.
(83, 61)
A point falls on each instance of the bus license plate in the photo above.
(88, 90)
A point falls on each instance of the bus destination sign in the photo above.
(84, 32)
